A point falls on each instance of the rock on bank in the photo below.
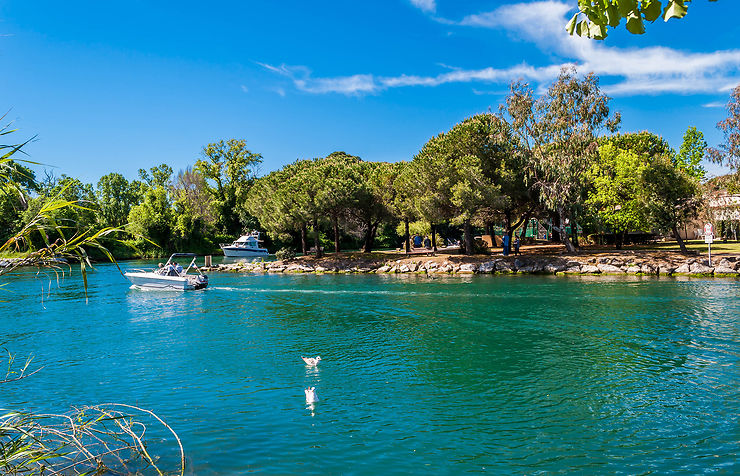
(642, 264)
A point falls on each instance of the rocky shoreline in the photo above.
(661, 264)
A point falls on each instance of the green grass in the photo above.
(11, 254)
(697, 245)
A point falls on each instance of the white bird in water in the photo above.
(311, 361)
(311, 396)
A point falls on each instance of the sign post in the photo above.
(708, 239)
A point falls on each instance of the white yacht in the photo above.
(170, 276)
(245, 246)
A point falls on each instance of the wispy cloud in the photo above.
(715, 104)
(244, 88)
(654, 70)
(302, 79)
(429, 6)
(624, 71)
(360, 84)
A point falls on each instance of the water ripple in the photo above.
(532, 375)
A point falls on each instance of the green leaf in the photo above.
(582, 28)
(675, 9)
(612, 15)
(651, 10)
(626, 7)
(571, 26)
(635, 25)
(596, 31)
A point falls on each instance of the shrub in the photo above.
(284, 254)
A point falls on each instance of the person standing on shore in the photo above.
(505, 242)
(516, 245)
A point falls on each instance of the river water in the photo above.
(497, 374)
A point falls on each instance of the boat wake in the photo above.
(344, 291)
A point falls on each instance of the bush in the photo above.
(480, 247)
(284, 254)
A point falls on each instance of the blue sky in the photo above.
(117, 86)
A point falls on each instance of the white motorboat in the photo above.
(245, 246)
(170, 276)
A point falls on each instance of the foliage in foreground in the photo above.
(104, 438)
(101, 439)
(595, 17)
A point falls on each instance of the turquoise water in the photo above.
(497, 374)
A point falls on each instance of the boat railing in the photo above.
(142, 270)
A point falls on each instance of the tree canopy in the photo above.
(728, 152)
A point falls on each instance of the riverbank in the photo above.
(633, 262)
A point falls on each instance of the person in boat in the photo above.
(178, 269)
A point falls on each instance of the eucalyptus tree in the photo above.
(558, 134)
(594, 17)
(230, 170)
(728, 152)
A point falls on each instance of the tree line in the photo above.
(557, 157)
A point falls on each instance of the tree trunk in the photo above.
(304, 244)
(555, 225)
(492, 233)
(316, 241)
(335, 223)
(367, 240)
(372, 229)
(563, 235)
(512, 228)
(434, 237)
(618, 239)
(408, 239)
(681, 244)
(468, 229)
(574, 232)
(524, 224)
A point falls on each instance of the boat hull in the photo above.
(237, 252)
(172, 283)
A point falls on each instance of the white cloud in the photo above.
(715, 104)
(359, 84)
(425, 5)
(301, 77)
(624, 71)
(653, 70)
(244, 88)
(536, 21)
